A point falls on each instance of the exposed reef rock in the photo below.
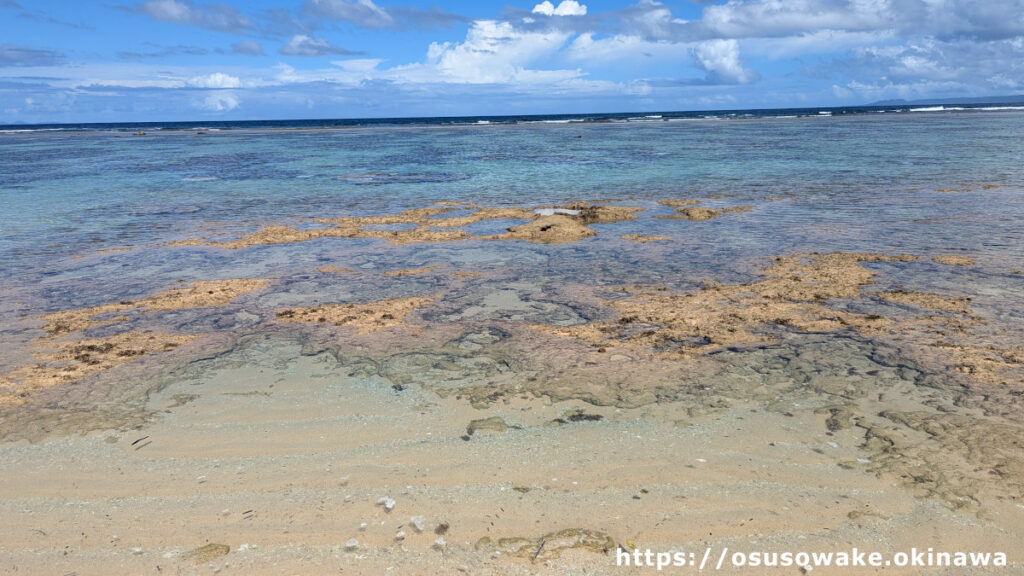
(424, 225)
(700, 213)
(66, 362)
(364, 317)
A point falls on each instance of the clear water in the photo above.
(867, 182)
(862, 182)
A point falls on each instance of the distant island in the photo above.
(1012, 99)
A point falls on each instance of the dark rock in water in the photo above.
(492, 424)
(578, 416)
(208, 552)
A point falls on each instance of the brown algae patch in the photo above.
(364, 317)
(335, 270)
(928, 300)
(678, 203)
(560, 228)
(425, 225)
(794, 294)
(412, 271)
(198, 294)
(66, 362)
(642, 239)
(63, 361)
(719, 315)
(989, 365)
(954, 260)
(700, 213)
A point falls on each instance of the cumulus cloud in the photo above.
(16, 55)
(220, 17)
(215, 80)
(219, 102)
(721, 60)
(497, 52)
(565, 8)
(303, 45)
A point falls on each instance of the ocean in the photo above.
(446, 309)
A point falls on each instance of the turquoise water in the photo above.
(861, 182)
(89, 215)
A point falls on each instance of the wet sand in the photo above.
(476, 423)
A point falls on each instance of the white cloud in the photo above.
(303, 45)
(565, 8)
(220, 102)
(721, 60)
(214, 17)
(621, 47)
(358, 65)
(497, 52)
(361, 12)
(215, 80)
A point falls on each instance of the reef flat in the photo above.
(447, 376)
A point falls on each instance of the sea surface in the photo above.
(855, 288)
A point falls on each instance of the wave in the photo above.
(377, 178)
(938, 109)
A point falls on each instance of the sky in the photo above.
(165, 60)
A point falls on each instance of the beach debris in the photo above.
(351, 544)
(419, 523)
(387, 502)
(441, 529)
(440, 543)
(400, 535)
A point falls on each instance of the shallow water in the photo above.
(88, 217)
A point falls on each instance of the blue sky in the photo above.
(130, 60)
